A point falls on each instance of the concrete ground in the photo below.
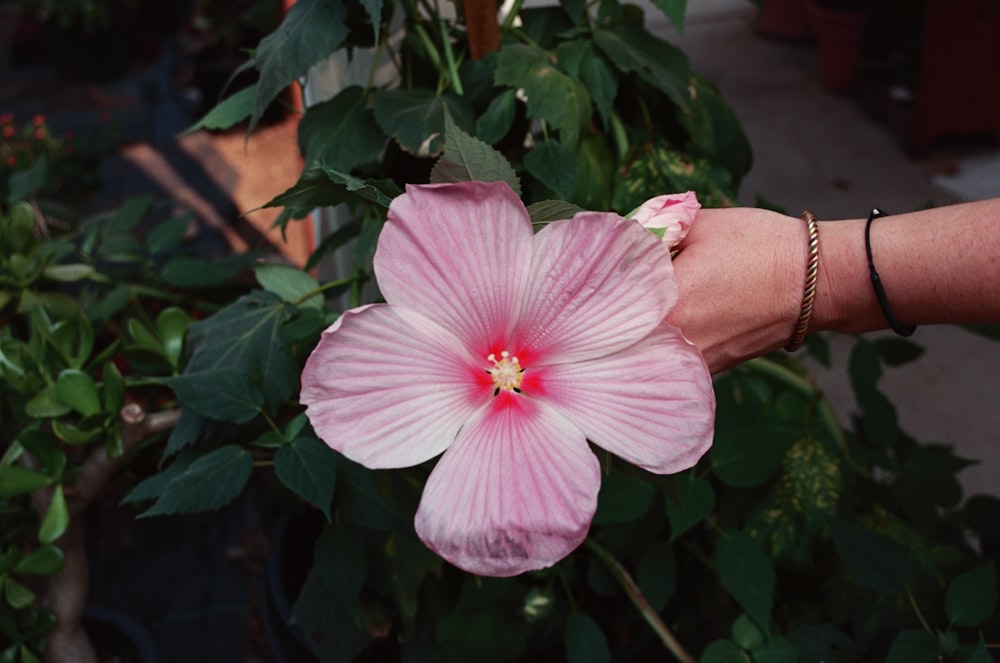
(823, 152)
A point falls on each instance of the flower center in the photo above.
(506, 372)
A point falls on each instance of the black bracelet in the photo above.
(883, 301)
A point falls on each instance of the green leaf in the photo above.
(342, 132)
(623, 498)
(112, 388)
(310, 31)
(359, 498)
(167, 235)
(289, 283)
(746, 633)
(184, 272)
(692, 502)
(46, 404)
(898, 351)
(42, 561)
(56, 518)
(582, 60)
(747, 574)
(912, 646)
(972, 596)
(778, 650)
(321, 186)
(553, 96)
(24, 184)
(498, 118)
(223, 393)
(823, 642)
(244, 339)
(674, 10)
(657, 574)
(69, 273)
(547, 211)
(18, 596)
(633, 49)
(229, 112)
(171, 325)
(79, 391)
(309, 469)
(585, 641)
(723, 651)
(716, 130)
(209, 483)
(153, 487)
(415, 118)
(746, 456)
(980, 654)
(467, 159)
(872, 560)
(17, 480)
(554, 165)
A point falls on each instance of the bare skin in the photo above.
(740, 275)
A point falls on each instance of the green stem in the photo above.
(669, 640)
(449, 56)
(920, 615)
(318, 291)
(508, 20)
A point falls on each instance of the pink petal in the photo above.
(388, 388)
(516, 492)
(672, 214)
(651, 404)
(460, 254)
(598, 284)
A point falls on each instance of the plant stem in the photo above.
(635, 595)
(920, 615)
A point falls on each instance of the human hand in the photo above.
(740, 274)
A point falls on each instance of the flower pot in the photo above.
(784, 20)
(288, 643)
(118, 637)
(840, 40)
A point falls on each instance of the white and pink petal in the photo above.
(459, 253)
(388, 388)
(515, 493)
(598, 284)
(651, 404)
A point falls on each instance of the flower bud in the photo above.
(669, 217)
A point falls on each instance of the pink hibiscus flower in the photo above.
(507, 351)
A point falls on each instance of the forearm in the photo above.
(937, 266)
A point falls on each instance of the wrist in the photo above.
(845, 301)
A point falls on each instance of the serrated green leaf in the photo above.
(308, 468)
(554, 165)
(310, 31)
(342, 132)
(78, 390)
(42, 561)
(631, 48)
(229, 112)
(623, 498)
(746, 456)
(747, 574)
(553, 96)
(218, 393)
(56, 518)
(972, 596)
(207, 484)
(24, 184)
(691, 502)
(674, 10)
(468, 159)
(547, 211)
(585, 641)
(244, 339)
(912, 646)
(872, 559)
(289, 283)
(17, 480)
(582, 60)
(415, 118)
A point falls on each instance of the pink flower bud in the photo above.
(669, 216)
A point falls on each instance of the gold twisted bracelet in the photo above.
(809, 293)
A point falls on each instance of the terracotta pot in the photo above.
(840, 39)
(784, 20)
